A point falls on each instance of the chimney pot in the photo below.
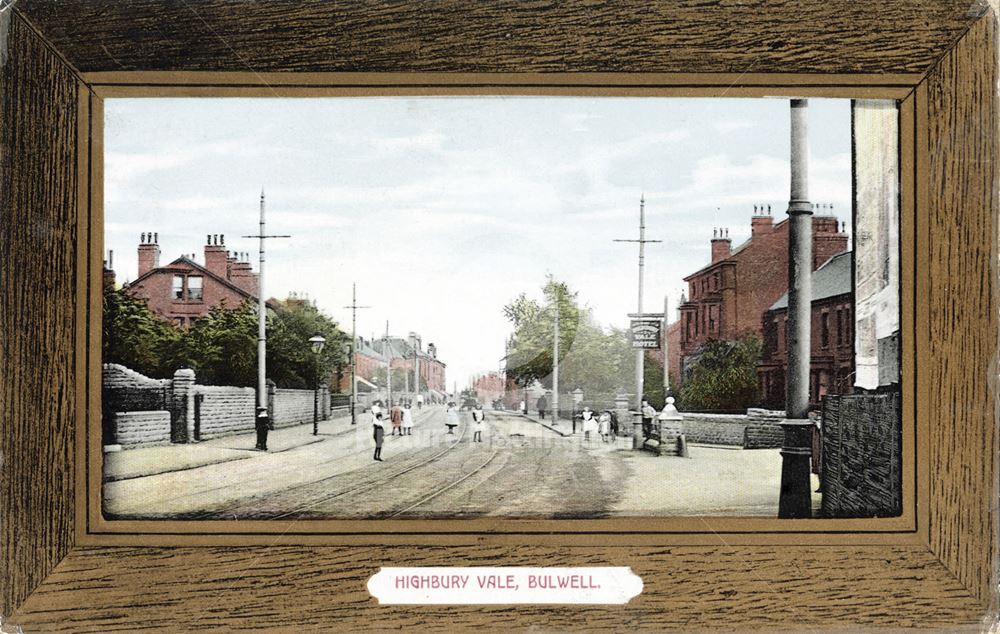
(222, 238)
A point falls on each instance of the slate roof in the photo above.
(829, 280)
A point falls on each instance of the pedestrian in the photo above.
(396, 416)
(378, 431)
(477, 422)
(420, 401)
(521, 408)
(542, 405)
(407, 420)
(648, 414)
(589, 422)
(261, 426)
(614, 425)
(452, 420)
(604, 425)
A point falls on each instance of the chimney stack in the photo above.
(149, 254)
(216, 258)
(720, 244)
(761, 223)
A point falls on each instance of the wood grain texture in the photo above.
(962, 233)
(944, 586)
(323, 589)
(804, 36)
(37, 319)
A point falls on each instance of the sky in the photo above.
(443, 209)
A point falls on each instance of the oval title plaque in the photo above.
(504, 585)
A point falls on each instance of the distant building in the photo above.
(727, 298)
(831, 365)
(399, 351)
(184, 290)
(488, 387)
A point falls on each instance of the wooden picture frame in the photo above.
(934, 568)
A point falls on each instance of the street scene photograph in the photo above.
(518, 307)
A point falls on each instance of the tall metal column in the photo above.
(555, 367)
(262, 422)
(640, 354)
(666, 350)
(354, 350)
(796, 500)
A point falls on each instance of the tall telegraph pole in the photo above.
(262, 419)
(555, 366)
(640, 354)
(354, 349)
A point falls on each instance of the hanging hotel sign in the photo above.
(646, 333)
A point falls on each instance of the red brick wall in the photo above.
(157, 290)
(735, 292)
(831, 366)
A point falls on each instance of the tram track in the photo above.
(230, 508)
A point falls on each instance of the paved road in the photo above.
(520, 469)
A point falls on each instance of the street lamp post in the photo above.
(316, 341)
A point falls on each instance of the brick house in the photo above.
(184, 290)
(832, 342)
(372, 354)
(727, 298)
(489, 387)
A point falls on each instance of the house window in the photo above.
(177, 288)
(194, 287)
(824, 329)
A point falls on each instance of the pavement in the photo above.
(145, 461)
(563, 429)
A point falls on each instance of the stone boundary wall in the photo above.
(142, 428)
(220, 411)
(125, 390)
(764, 429)
(294, 407)
(194, 412)
(861, 456)
(714, 429)
(115, 375)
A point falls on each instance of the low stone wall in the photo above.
(292, 407)
(764, 429)
(142, 428)
(714, 429)
(219, 411)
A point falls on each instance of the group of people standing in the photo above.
(606, 424)
(401, 418)
(478, 420)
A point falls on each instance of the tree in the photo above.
(723, 376)
(133, 336)
(591, 357)
(222, 346)
(291, 361)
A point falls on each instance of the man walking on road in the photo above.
(542, 405)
